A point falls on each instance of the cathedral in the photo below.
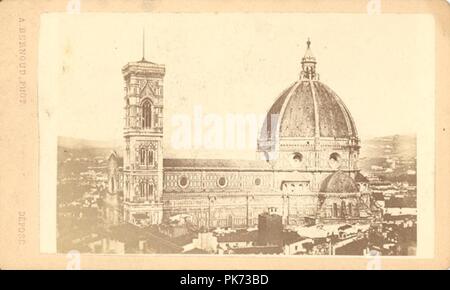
(308, 172)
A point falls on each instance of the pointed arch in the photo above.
(149, 191)
(146, 108)
(150, 158)
(146, 190)
(142, 156)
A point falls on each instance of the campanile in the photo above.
(143, 132)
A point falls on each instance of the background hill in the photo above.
(394, 146)
(391, 158)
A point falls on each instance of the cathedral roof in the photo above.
(215, 163)
(338, 182)
(115, 156)
(205, 163)
(308, 108)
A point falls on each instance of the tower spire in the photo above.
(143, 44)
(309, 64)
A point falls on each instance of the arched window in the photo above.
(146, 114)
(112, 184)
(149, 192)
(142, 156)
(146, 190)
(335, 156)
(297, 157)
(335, 160)
(127, 112)
(149, 157)
(142, 189)
(183, 181)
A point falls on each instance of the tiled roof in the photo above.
(239, 236)
(300, 105)
(338, 182)
(215, 163)
(291, 237)
(206, 163)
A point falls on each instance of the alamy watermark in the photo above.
(374, 7)
(73, 260)
(374, 262)
(230, 131)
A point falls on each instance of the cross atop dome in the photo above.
(309, 64)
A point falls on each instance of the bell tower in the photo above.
(143, 132)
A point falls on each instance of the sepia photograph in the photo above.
(234, 134)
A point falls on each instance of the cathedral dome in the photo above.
(308, 108)
(339, 182)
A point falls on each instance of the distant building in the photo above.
(270, 228)
(237, 239)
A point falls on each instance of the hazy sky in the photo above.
(381, 66)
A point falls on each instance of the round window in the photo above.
(335, 156)
(258, 181)
(222, 181)
(297, 157)
(335, 160)
(183, 181)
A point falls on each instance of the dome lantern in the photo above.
(309, 64)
